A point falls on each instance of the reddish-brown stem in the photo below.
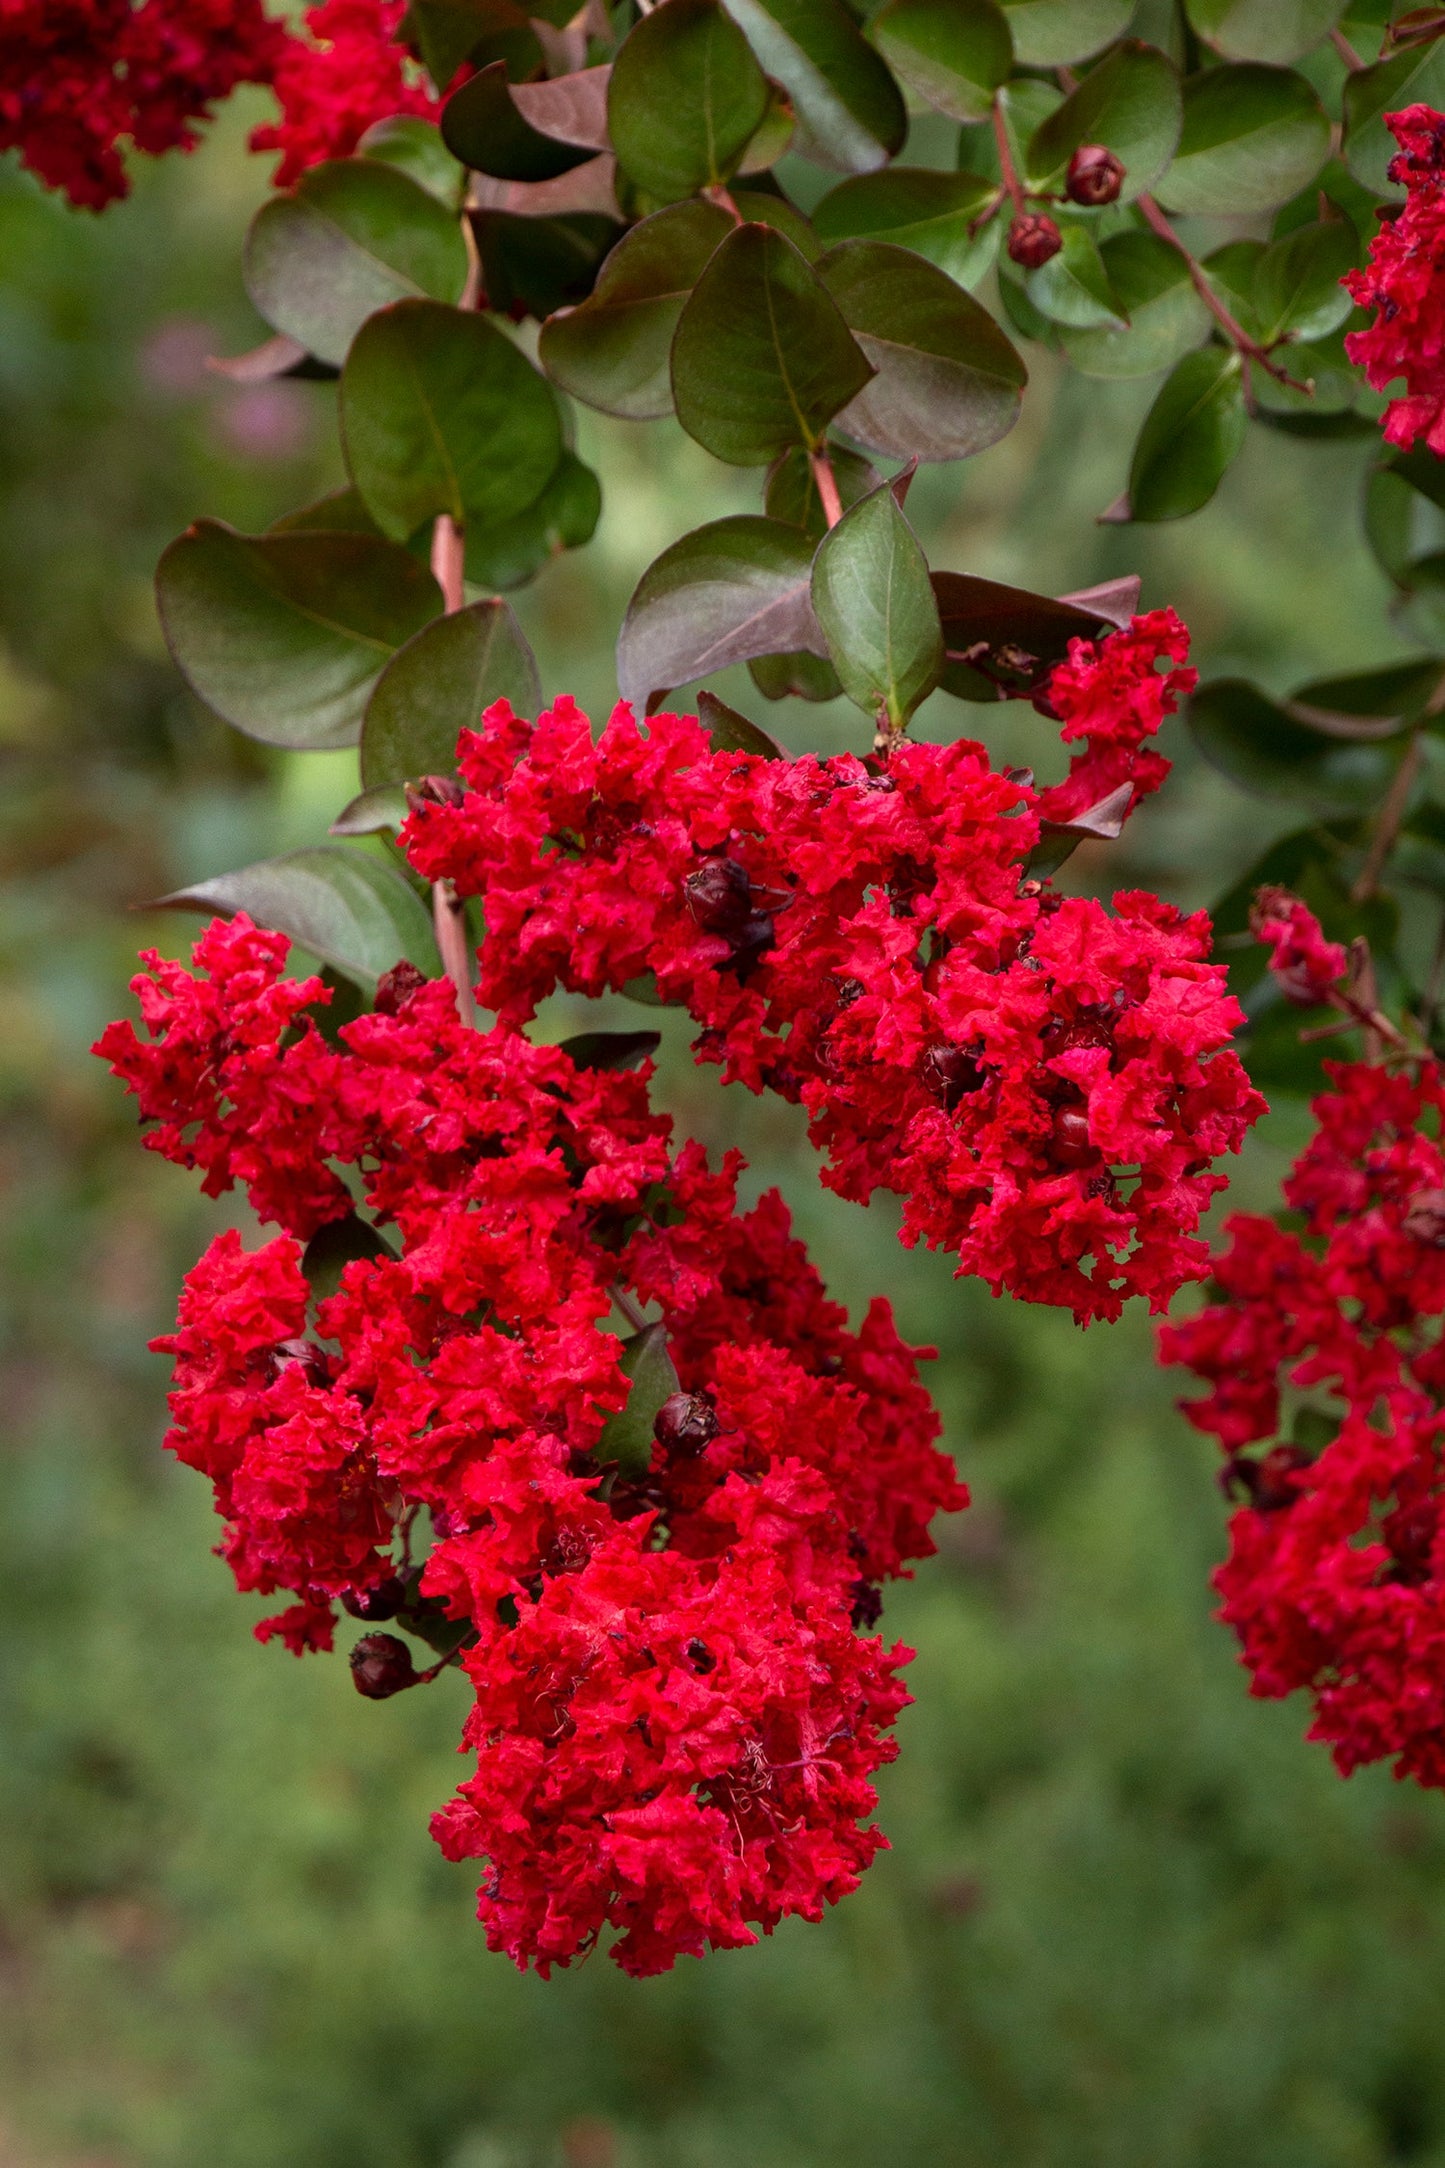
(1249, 349)
(448, 560)
(1346, 51)
(1007, 169)
(628, 1308)
(1387, 825)
(448, 916)
(827, 485)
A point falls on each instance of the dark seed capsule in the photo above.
(381, 1602)
(867, 1604)
(396, 986)
(948, 1074)
(720, 896)
(1033, 240)
(701, 1657)
(435, 790)
(1267, 1483)
(1095, 175)
(381, 1666)
(1069, 1144)
(752, 941)
(686, 1423)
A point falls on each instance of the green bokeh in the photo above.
(1131, 1919)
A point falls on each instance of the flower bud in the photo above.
(383, 1601)
(948, 1074)
(1425, 1217)
(396, 986)
(1267, 1483)
(686, 1423)
(1095, 175)
(1069, 1144)
(435, 790)
(381, 1666)
(720, 896)
(1033, 239)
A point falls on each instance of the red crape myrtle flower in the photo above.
(1306, 966)
(675, 1719)
(1335, 1580)
(1404, 283)
(346, 73)
(81, 78)
(1046, 1084)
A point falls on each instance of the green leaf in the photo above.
(610, 1049)
(1131, 103)
(438, 685)
(1163, 317)
(1233, 272)
(415, 147)
(953, 53)
(526, 132)
(686, 99)
(531, 266)
(340, 511)
(341, 1242)
(1297, 288)
(1047, 32)
(285, 635)
(1267, 752)
(762, 357)
(730, 732)
(1023, 106)
(1365, 705)
(441, 413)
(1003, 642)
(948, 381)
(737, 588)
(355, 912)
(792, 487)
(510, 552)
(1413, 76)
(350, 238)
(914, 207)
(1072, 289)
(449, 32)
(614, 351)
(1193, 431)
(874, 600)
(372, 812)
(760, 208)
(1252, 137)
(850, 112)
(794, 676)
(1264, 29)
(627, 1437)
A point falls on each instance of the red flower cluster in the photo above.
(1404, 282)
(1307, 967)
(675, 1720)
(333, 84)
(1045, 1083)
(78, 78)
(1329, 1330)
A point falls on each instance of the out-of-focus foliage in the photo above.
(1131, 1921)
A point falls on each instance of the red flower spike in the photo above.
(1404, 283)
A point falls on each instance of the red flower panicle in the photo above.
(345, 74)
(1404, 283)
(81, 78)
(1046, 1084)
(1307, 967)
(675, 1719)
(1324, 1347)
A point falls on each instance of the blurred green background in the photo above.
(1130, 1917)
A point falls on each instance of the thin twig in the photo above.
(1006, 166)
(827, 484)
(448, 559)
(1387, 825)
(628, 1308)
(1346, 51)
(1227, 321)
(448, 916)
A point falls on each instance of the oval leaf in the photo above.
(350, 238)
(441, 413)
(416, 148)
(1368, 704)
(627, 1437)
(1163, 316)
(1252, 137)
(438, 685)
(874, 600)
(731, 732)
(953, 53)
(934, 214)
(686, 99)
(737, 588)
(1131, 103)
(948, 381)
(1297, 290)
(1264, 29)
(1072, 289)
(489, 128)
(610, 1049)
(1047, 32)
(355, 912)
(285, 635)
(850, 112)
(510, 552)
(1003, 643)
(614, 351)
(762, 357)
(1257, 745)
(792, 488)
(1193, 431)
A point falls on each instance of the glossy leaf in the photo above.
(914, 207)
(496, 128)
(1048, 32)
(953, 53)
(441, 413)
(614, 351)
(1192, 433)
(372, 812)
(340, 511)
(1131, 103)
(627, 1437)
(795, 676)
(1252, 137)
(352, 237)
(1163, 316)
(1365, 705)
(332, 1248)
(874, 600)
(415, 147)
(1003, 643)
(850, 112)
(438, 685)
(736, 588)
(507, 553)
(762, 357)
(731, 732)
(531, 266)
(610, 1049)
(948, 380)
(354, 911)
(1072, 289)
(1413, 76)
(1297, 290)
(791, 494)
(1264, 29)
(686, 99)
(285, 635)
(1267, 752)
(448, 32)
